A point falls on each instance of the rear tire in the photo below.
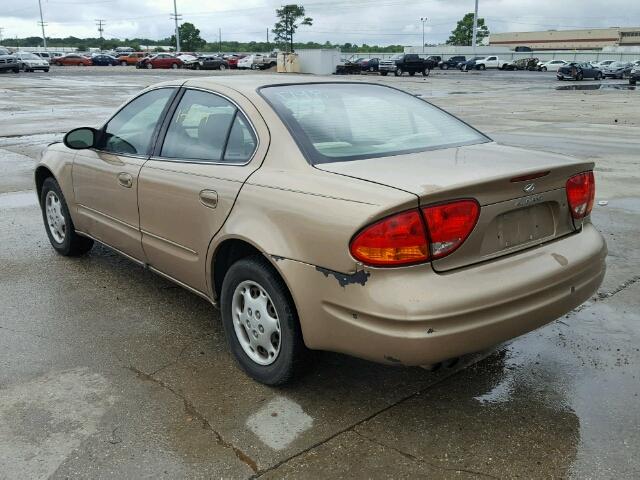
(426, 72)
(222, 67)
(124, 64)
(398, 72)
(482, 67)
(58, 223)
(579, 76)
(245, 328)
(174, 66)
(149, 66)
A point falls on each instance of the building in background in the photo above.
(588, 39)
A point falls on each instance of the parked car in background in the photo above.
(617, 70)
(4, 51)
(105, 60)
(551, 65)
(530, 64)
(369, 64)
(348, 67)
(452, 62)
(490, 61)
(410, 63)
(207, 62)
(160, 60)
(187, 57)
(30, 62)
(394, 280)
(634, 75)
(602, 64)
(469, 64)
(232, 60)
(73, 59)
(132, 58)
(579, 71)
(257, 62)
(8, 63)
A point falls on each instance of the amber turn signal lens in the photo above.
(396, 240)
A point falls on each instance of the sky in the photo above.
(381, 22)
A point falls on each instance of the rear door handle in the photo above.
(125, 180)
(209, 198)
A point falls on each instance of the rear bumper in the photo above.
(414, 316)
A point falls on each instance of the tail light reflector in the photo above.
(406, 238)
(449, 225)
(396, 240)
(581, 192)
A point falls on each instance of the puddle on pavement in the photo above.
(18, 199)
(597, 86)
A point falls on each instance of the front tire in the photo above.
(482, 67)
(260, 322)
(398, 72)
(174, 66)
(58, 223)
(149, 66)
(124, 64)
(222, 67)
(426, 72)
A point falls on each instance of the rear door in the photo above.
(105, 179)
(209, 145)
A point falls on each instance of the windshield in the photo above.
(618, 65)
(397, 57)
(336, 122)
(29, 56)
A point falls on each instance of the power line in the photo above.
(176, 17)
(42, 24)
(100, 23)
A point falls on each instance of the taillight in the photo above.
(581, 191)
(449, 225)
(405, 238)
(396, 240)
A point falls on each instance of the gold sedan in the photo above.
(349, 217)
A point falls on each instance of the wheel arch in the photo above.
(228, 251)
(41, 173)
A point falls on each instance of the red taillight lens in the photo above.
(396, 240)
(402, 239)
(581, 191)
(449, 225)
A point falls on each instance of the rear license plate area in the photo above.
(524, 225)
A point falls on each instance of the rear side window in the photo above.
(208, 127)
(341, 122)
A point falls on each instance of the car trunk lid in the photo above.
(521, 193)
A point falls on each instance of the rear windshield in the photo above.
(340, 121)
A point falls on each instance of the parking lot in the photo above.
(110, 371)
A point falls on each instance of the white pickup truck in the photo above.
(490, 62)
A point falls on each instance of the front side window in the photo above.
(131, 129)
(341, 122)
(208, 127)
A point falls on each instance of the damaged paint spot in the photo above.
(277, 258)
(562, 260)
(345, 279)
(431, 330)
(392, 359)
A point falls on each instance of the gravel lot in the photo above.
(109, 371)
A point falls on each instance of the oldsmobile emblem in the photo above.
(529, 187)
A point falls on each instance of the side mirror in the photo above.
(81, 138)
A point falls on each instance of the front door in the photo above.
(187, 189)
(105, 179)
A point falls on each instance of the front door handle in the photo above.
(209, 198)
(125, 180)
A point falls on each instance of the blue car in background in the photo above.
(105, 60)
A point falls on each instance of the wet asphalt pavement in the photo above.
(109, 371)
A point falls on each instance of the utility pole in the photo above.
(176, 17)
(475, 29)
(267, 37)
(100, 23)
(219, 40)
(1, 30)
(423, 20)
(42, 24)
